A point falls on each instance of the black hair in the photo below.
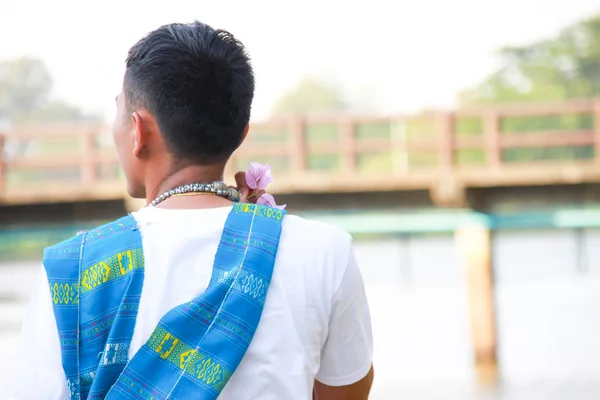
(198, 83)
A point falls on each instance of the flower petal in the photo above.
(253, 175)
(265, 177)
(255, 166)
(266, 199)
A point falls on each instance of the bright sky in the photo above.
(401, 55)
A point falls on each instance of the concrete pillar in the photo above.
(474, 244)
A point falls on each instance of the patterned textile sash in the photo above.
(96, 281)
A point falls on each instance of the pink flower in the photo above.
(258, 176)
(268, 200)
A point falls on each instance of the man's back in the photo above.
(183, 109)
(315, 324)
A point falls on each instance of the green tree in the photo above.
(25, 85)
(564, 67)
(311, 96)
(25, 93)
(56, 111)
(567, 66)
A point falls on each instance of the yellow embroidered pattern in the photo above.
(261, 211)
(64, 293)
(113, 267)
(184, 357)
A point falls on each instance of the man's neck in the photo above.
(184, 176)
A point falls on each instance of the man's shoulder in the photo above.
(315, 235)
(123, 224)
(314, 255)
(71, 248)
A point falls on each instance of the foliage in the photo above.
(567, 66)
(25, 93)
(309, 97)
(561, 68)
(25, 85)
(56, 111)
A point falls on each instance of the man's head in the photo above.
(186, 99)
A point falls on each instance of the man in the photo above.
(194, 297)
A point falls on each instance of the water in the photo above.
(16, 280)
(548, 296)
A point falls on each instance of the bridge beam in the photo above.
(447, 192)
(475, 246)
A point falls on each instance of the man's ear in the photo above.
(139, 134)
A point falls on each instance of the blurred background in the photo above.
(459, 142)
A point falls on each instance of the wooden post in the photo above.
(445, 123)
(597, 130)
(447, 191)
(88, 173)
(492, 139)
(398, 143)
(348, 147)
(297, 146)
(474, 244)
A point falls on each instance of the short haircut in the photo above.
(198, 83)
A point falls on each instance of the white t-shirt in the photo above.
(315, 324)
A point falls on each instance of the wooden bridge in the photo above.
(444, 152)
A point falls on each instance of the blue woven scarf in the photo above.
(96, 281)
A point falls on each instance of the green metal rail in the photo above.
(28, 242)
(440, 221)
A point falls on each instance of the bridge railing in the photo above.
(441, 151)
(54, 161)
(444, 151)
